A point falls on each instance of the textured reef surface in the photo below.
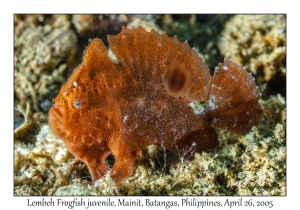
(49, 47)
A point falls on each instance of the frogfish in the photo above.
(158, 92)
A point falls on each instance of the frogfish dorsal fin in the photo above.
(159, 59)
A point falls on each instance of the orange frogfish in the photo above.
(159, 92)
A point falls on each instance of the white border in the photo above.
(8, 8)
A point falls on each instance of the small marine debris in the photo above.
(25, 127)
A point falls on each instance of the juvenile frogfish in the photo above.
(159, 92)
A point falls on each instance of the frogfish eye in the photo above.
(77, 104)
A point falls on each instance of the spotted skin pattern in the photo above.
(145, 98)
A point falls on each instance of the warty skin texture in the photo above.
(145, 99)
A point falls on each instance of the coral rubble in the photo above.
(41, 58)
(258, 42)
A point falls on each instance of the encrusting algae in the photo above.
(258, 42)
(42, 56)
(253, 164)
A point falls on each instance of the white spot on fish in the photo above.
(212, 101)
(75, 84)
(125, 118)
